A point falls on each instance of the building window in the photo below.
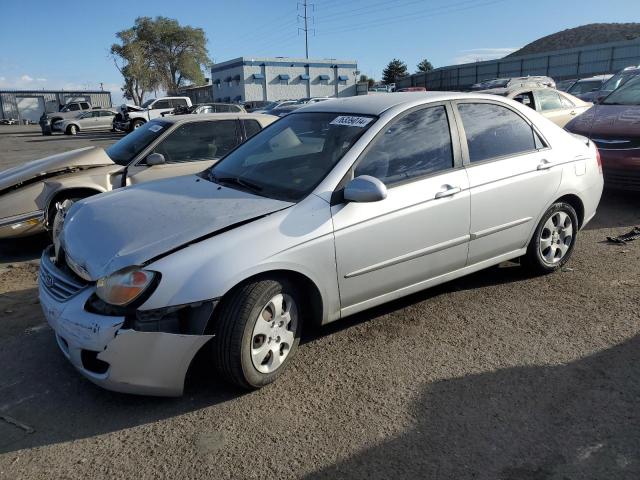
(237, 79)
(284, 78)
(324, 79)
(343, 78)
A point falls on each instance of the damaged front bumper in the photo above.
(101, 349)
(23, 224)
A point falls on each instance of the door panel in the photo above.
(404, 239)
(512, 178)
(507, 197)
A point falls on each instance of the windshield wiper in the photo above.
(236, 181)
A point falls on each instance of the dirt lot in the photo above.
(495, 376)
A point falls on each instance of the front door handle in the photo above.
(545, 165)
(573, 112)
(448, 191)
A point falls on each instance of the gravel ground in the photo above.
(495, 376)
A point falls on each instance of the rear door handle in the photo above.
(545, 165)
(448, 191)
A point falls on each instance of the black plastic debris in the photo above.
(627, 237)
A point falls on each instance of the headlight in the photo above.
(123, 287)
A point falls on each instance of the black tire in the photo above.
(534, 259)
(234, 329)
(135, 124)
(71, 130)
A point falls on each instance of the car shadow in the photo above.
(570, 421)
(81, 136)
(22, 249)
(617, 209)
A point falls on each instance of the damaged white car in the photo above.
(159, 149)
(340, 206)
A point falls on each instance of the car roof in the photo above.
(377, 104)
(213, 116)
(595, 77)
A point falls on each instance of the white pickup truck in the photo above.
(131, 117)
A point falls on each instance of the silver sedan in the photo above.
(338, 207)
(98, 119)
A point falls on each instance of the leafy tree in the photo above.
(425, 66)
(129, 57)
(159, 53)
(395, 69)
(178, 52)
(370, 81)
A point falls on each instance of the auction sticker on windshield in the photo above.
(155, 128)
(350, 121)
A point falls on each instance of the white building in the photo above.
(278, 78)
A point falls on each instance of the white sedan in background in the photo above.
(559, 107)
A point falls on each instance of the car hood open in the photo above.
(62, 162)
(131, 226)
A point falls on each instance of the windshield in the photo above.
(125, 150)
(147, 103)
(618, 80)
(584, 87)
(292, 156)
(628, 94)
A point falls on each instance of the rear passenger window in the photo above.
(494, 131)
(251, 127)
(416, 145)
(549, 100)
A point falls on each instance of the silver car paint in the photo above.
(350, 252)
(168, 214)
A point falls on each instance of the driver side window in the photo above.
(198, 141)
(416, 145)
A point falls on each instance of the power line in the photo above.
(411, 16)
(305, 17)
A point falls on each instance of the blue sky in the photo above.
(65, 43)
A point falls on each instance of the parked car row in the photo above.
(325, 212)
(557, 106)
(613, 124)
(161, 148)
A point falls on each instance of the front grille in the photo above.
(57, 282)
(607, 142)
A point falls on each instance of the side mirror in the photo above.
(155, 159)
(365, 188)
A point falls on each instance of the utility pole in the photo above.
(305, 5)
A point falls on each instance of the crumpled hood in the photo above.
(130, 226)
(83, 157)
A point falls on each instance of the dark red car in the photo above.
(614, 126)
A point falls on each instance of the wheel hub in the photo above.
(274, 333)
(556, 237)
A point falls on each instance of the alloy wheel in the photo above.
(274, 333)
(556, 237)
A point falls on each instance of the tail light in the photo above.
(599, 160)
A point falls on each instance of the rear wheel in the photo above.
(257, 332)
(72, 130)
(553, 240)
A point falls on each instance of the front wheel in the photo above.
(553, 240)
(136, 124)
(257, 332)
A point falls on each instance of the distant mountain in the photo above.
(580, 36)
